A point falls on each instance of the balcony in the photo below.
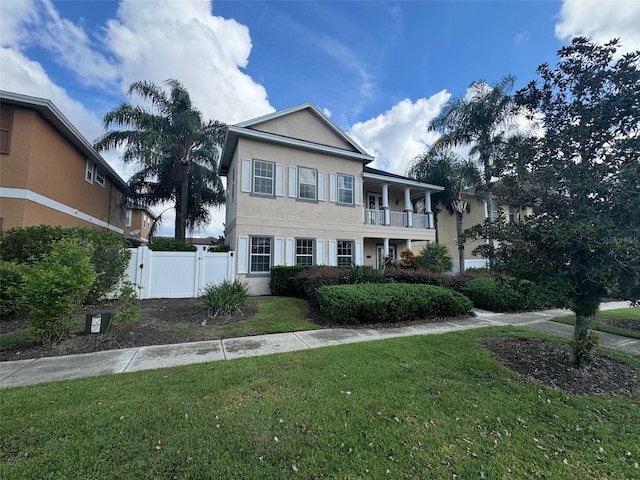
(397, 219)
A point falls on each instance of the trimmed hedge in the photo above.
(283, 280)
(171, 245)
(392, 302)
(12, 289)
(507, 295)
(312, 278)
(425, 277)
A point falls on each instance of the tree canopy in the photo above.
(582, 176)
(177, 152)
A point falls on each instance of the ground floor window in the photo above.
(345, 252)
(304, 251)
(261, 249)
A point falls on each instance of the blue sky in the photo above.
(380, 69)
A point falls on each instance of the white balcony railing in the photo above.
(397, 219)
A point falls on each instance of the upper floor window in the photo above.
(304, 251)
(260, 257)
(127, 218)
(345, 252)
(307, 183)
(232, 185)
(263, 177)
(6, 120)
(88, 176)
(100, 178)
(345, 188)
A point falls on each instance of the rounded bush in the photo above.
(388, 303)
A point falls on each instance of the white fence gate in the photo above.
(178, 274)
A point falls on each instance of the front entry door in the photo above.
(380, 255)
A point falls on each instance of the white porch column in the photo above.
(385, 205)
(386, 248)
(408, 208)
(427, 209)
(408, 244)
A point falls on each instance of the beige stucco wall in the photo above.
(305, 125)
(43, 161)
(447, 234)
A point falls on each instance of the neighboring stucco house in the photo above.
(50, 174)
(138, 222)
(299, 193)
(476, 215)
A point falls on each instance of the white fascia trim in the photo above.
(400, 181)
(24, 194)
(247, 132)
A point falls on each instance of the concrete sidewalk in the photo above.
(49, 369)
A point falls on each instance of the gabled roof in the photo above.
(248, 129)
(50, 112)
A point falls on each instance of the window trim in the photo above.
(273, 178)
(301, 183)
(9, 113)
(97, 174)
(128, 217)
(251, 254)
(89, 171)
(351, 256)
(338, 189)
(312, 255)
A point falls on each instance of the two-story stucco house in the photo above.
(50, 174)
(299, 192)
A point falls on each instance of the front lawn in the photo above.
(623, 321)
(435, 406)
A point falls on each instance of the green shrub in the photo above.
(225, 298)
(393, 302)
(127, 308)
(435, 258)
(110, 255)
(56, 287)
(12, 289)
(220, 248)
(170, 245)
(418, 277)
(506, 294)
(283, 280)
(363, 274)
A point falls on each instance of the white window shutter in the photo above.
(289, 254)
(319, 252)
(322, 186)
(333, 187)
(245, 180)
(293, 182)
(243, 254)
(278, 245)
(357, 187)
(279, 180)
(358, 258)
(333, 253)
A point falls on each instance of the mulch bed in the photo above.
(543, 361)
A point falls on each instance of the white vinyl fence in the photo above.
(178, 274)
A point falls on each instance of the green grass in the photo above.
(618, 314)
(420, 407)
(275, 315)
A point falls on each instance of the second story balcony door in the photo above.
(374, 209)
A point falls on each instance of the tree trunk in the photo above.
(585, 308)
(459, 230)
(181, 220)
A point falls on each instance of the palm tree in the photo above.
(480, 119)
(457, 175)
(177, 151)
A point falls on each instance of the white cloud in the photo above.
(398, 135)
(601, 21)
(183, 40)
